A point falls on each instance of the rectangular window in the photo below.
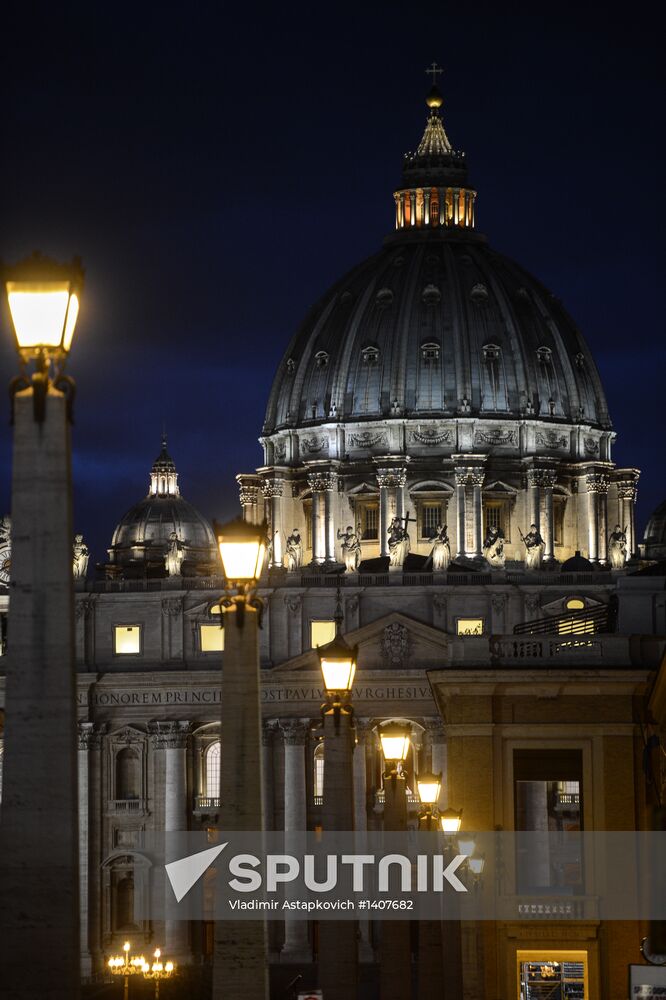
(321, 632)
(561, 975)
(469, 626)
(127, 640)
(548, 799)
(431, 517)
(307, 514)
(496, 515)
(212, 638)
(369, 518)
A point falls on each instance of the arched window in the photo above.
(430, 353)
(128, 777)
(213, 770)
(318, 782)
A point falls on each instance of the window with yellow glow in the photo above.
(579, 624)
(212, 638)
(547, 973)
(469, 626)
(127, 640)
(321, 632)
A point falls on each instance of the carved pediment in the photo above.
(394, 641)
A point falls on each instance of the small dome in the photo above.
(162, 524)
(577, 564)
(654, 539)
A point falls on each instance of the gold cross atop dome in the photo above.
(434, 71)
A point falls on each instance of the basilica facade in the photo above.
(437, 459)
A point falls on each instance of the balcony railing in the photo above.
(206, 803)
(587, 621)
(127, 805)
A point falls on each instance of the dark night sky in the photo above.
(218, 168)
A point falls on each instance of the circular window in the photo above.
(575, 604)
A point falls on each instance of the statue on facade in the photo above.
(398, 541)
(440, 553)
(617, 547)
(534, 546)
(493, 548)
(294, 551)
(5, 548)
(175, 554)
(351, 548)
(81, 555)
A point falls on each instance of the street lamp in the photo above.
(429, 786)
(338, 945)
(123, 965)
(158, 970)
(451, 820)
(395, 739)
(39, 889)
(240, 966)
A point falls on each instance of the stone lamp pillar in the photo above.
(39, 835)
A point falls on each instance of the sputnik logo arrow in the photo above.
(183, 874)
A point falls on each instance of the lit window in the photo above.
(318, 782)
(469, 626)
(575, 604)
(213, 770)
(127, 640)
(212, 638)
(321, 632)
(431, 518)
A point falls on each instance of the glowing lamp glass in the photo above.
(243, 549)
(338, 674)
(451, 820)
(395, 742)
(44, 299)
(429, 786)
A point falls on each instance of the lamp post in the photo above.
(39, 871)
(158, 970)
(123, 965)
(338, 944)
(395, 967)
(429, 786)
(240, 964)
(430, 954)
(451, 821)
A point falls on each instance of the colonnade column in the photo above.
(294, 733)
(273, 491)
(548, 480)
(171, 737)
(248, 487)
(317, 483)
(627, 492)
(384, 481)
(602, 493)
(477, 476)
(597, 490)
(461, 479)
(330, 483)
(87, 736)
(533, 482)
(268, 730)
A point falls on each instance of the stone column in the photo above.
(597, 483)
(88, 739)
(39, 834)
(548, 480)
(477, 476)
(338, 951)
(627, 493)
(171, 737)
(400, 484)
(248, 487)
(268, 731)
(240, 967)
(602, 502)
(383, 480)
(294, 733)
(316, 483)
(533, 481)
(461, 479)
(330, 482)
(273, 491)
